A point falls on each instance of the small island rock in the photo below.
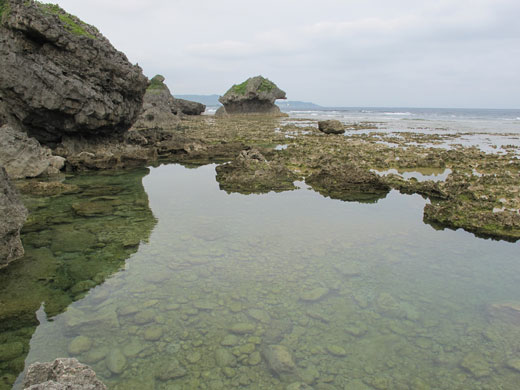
(256, 95)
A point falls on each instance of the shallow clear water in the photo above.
(363, 296)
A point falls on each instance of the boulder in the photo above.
(256, 95)
(279, 359)
(13, 215)
(187, 107)
(331, 127)
(61, 76)
(62, 374)
(23, 156)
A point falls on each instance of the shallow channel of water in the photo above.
(363, 296)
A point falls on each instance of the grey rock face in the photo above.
(23, 156)
(161, 110)
(61, 76)
(256, 95)
(13, 217)
(62, 374)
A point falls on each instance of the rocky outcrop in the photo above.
(23, 156)
(256, 95)
(161, 110)
(60, 76)
(331, 127)
(13, 217)
(348, 182)
(62, 374)
(250, 172)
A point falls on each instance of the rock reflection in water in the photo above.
(73, 242)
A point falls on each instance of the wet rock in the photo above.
(250, 172)
(314, 295)
(62, 374)
(95, 90)
(169, 370)
(331, 127)
(153, 333)
(116, 361)
(79, 345)
(279, 359)
(348, 182)
(224, 358)
(256, 95)
(23, 156)
(477, 365)
(46, 188)
(242, 328)
(13, 217)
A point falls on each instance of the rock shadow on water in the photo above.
(73, 242)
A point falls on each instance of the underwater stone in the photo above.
(514, 364)
(169, 370)
(145, 317)
(260, 315)
(153, 333)
(229, 372)
(93, 209)
(336, 350)
(69, 240)
(133, 348)
(224, 358)
(116, 361)
(193, 357)
(279, 359)
(242, 328)
(298, 386)
(96, 355)
(230, 340)
(254, 359)
(314, 295)
(79, 345)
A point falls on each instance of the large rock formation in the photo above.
(62, 374)
(161, 110)
(13, 216)
(256, 95)
(61, 76)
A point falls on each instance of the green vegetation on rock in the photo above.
(266, 86)
(239, 89)
(71, 22)
(157, 83)
(4, 8)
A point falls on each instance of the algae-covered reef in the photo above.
(480, 193)
(79, 232)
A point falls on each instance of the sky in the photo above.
(354, 53)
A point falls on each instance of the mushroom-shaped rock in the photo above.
(60, 76)
(256, 95)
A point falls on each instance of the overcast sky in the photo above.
(429, 53)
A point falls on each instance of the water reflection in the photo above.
(73, 242)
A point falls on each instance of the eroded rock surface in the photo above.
(256, 95)
(331, 127)
(61, 76)
(250, 172)
(62, 374)
(13, 217)
(23, 156)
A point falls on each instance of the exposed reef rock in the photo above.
(23, 156)
(62, 374)
(331, 127)
(161, 110)
(250, 172)
(346, 181)
(256, 95)
(13, 217)
(60, 76)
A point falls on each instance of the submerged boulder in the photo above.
(13, 215)
(256, 95)
(61, 76)
(62, 374)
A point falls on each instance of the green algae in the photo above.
(72, 23)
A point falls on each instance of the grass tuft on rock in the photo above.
(71, 22)
(4, 8)
(239, 89)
